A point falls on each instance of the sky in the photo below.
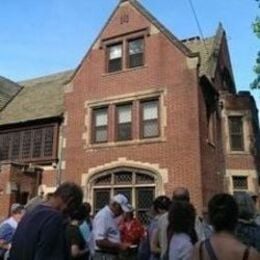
(47, 36)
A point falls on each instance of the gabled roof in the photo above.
(139, 7)
(8, 89)
(39, 98)
(204, 49)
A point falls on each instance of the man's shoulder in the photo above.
(104, 212)
(42, 214)
(5, 227)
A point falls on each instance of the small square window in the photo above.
(114, 57)
(136, 53)
(240, 182)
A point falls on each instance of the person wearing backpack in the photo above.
(223, 244)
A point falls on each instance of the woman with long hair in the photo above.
(180, 231)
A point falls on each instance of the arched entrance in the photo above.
(136, 184)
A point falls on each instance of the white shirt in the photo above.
(181, 247)
(11, 221)
(105, 227)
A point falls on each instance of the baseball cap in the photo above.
(16, 206)
(122, 201)
(130, 208)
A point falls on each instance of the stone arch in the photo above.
(159, 174)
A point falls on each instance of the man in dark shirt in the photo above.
(41, 233)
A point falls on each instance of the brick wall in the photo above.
(5, 196)
(165, 69)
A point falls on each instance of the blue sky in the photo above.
(47, 36)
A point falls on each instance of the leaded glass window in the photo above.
(136, 53)
(150, 117)
(240, 182)
(136, 185)
(124, 122)
(114, 58)
(28, 144)
(101, 125)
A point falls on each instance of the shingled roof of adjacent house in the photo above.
(8, 89)
(38, 99)
(208, 50)
(204, 49)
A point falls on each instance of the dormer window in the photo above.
(114, 58)
(136, 53)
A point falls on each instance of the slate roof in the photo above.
(8, 90)
(38, 99)
(208, 50)
(204, 50)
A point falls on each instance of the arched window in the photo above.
(137, 185)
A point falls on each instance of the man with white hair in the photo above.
(8, 227)
(106, 233)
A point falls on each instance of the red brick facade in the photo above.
(183, 151)
(192, 147)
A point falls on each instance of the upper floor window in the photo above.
(236, 136)
(150, 118)
(29, 144)
(100, 131)
(124, 122)
(114, 58)
(136, 53)
(139, 119)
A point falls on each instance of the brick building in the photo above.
(142, 114)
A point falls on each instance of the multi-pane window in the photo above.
(240, 183)
(150, 118)
(236, 136)
(122, 119)
(114, 58)
(28, 144)
(136, 53)
(124, 122)
(100, 125)
(137, 186)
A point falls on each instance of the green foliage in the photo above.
(256, 28)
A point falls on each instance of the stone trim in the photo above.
(141, 95)
(246, 114)
(160, 174)
(252, 176)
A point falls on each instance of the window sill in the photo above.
(238, 153)
(107, 74)
(126, 143)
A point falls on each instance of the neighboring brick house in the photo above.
(142, 114)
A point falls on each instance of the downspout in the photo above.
(60, 156)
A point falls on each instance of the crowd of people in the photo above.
(61, 227)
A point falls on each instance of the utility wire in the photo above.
(198, 24)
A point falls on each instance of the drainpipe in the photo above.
(60, 157)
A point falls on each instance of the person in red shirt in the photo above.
(132, 231)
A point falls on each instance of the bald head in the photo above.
(181, 194)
